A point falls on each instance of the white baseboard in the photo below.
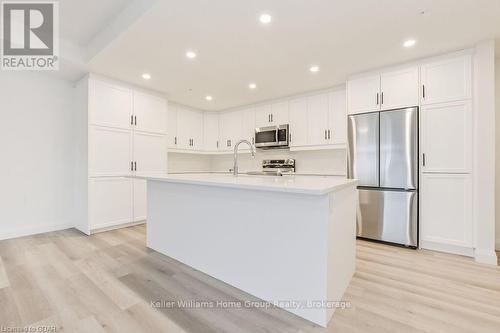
(32, 230)
(486, 257)
(448, 248)
(115, 226)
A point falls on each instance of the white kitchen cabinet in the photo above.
(446, 210)
(172, 126)
(446, 80)
(140, 207)
(271, 114)
(399, 88)
(109, 105)
(298, 122)
(231, 129)
(446, 137)
(189, 129)
(364, 94)
(110, 202)
(109, 151)
(338, 117)
(263, 115)
(317, 119)
(211, 131)
(150, 113)
(150, 153)
(248, 125)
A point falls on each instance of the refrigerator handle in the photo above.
(423, 159)
(377, 98)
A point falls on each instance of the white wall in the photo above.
(36, 170)
(497, 178)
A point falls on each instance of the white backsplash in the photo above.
(330, 162)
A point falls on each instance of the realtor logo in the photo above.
(30, 35)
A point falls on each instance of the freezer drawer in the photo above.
(389, 216)
(363, 153)
(399, 149)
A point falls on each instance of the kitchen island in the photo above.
(287, 240)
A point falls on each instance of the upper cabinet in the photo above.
(189, 129)
(211, 131)
(271, 114)
(150, 113)
(172, 126)
(248, 124)
(337, 117)
(386, 91)
(447, 80)
(317, 119)
(364, 94)
(399, 89)
(110, 105)
(230, 124)
(298, 122)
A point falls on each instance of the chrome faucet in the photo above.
(235, 165)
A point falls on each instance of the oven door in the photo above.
(266, 136)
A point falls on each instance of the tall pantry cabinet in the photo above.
(121, 133)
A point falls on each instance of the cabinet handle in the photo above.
(290, 138)
(135, 120)
(423, 91)
(325, 134)
(272, 117)
(131, 166)
(328, 134)
(135, 166)
(423, 159)
(382, 98)
(131, 119)
(377, 97)
(175, 140)
(269, 117)
(217, 144)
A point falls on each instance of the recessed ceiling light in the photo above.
(265, 18)
(146, 76)
(252, 86)
(191, 54)
(409, 43)
(314, 69)
(208, 98)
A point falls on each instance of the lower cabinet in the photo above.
(110, 201)
(116, 200)
(446, 212)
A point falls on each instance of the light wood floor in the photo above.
(105, 283)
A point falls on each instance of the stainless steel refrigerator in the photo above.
(383, 156)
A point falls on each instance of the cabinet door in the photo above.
(150, 153)
(150, 113)
(399, 89)
(110, 151)
(263, 115)
(317, 119)
(363, 94)
(298, 122)
(140, 200)
(197, 130)
(446, 137)
(447, 80)
(248, 125)
(172, 126)
(110, 105)
(211, 131)
(446, 209)
(338, 117)
(231, 129)
(185, 127)
(279, 113)
(110, 202)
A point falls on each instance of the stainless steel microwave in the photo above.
(272, 136)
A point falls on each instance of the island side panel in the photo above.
(271, 245)
(341, 243)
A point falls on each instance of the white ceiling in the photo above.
(342, 36)
(81, 20)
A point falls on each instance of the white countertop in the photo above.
(313, 185)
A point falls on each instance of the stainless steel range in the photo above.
(276, 168)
